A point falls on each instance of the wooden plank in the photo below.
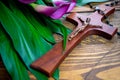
(92, 61)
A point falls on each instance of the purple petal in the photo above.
(71, 3)
(60, 12)
(47, 10)
(71, 6)
(27, 1)
(64, 8)
(55, 12)
(59, 2)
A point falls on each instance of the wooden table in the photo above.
(95, 58)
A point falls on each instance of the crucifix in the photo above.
(85, 26)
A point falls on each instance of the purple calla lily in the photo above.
(61, 7)
(60, 2)
(56, 12)
(26, 1)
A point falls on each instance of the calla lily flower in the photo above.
(71, 2)
(61, 7)
(54, 12)
(57, 11)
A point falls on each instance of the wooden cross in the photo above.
(85, 26)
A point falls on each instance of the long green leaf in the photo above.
(58, 27)
(48, 25)
(45, 32)
(27, 43)
(40, 2)
(12, 62)
(45, 25)
(32, 18)
(56, 74)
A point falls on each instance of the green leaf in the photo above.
(29, 33)
(39, 25)
(56, 74)
(58, 27)
(25, 39)
(40, 2)
(34, 19)
(12, 62)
